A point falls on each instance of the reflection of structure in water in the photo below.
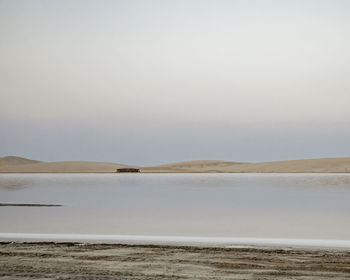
(121, 170)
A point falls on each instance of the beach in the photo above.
(48, 260)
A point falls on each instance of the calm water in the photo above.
(224, 205)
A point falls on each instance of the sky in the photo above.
(149, 82)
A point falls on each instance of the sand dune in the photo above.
(323, 165)
(12, 160)
(192, 166)
(62, 167)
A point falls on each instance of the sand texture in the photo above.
(74, 261)
(322, 165)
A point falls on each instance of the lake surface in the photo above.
(315, 206)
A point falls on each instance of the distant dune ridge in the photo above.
(11, 160)
(12, 164)
(28, 166)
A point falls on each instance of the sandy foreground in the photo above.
(113, 261)
(323, 165)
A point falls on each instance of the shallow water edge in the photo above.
(220, 242)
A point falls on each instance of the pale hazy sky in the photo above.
(147, 82)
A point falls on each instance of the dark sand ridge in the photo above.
(322, 165)
(29, 205)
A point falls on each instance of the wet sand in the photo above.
(99, 261)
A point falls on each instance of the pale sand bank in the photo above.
(221, 242)
(322, 165)
(113, 261)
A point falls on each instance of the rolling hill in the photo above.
(322, 165)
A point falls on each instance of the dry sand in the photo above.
(323, 165)
(76, 261)
(61, 167)
(11, 160)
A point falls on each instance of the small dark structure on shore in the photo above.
(123, 170)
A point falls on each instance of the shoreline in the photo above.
(175, 172)
(215, 242)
